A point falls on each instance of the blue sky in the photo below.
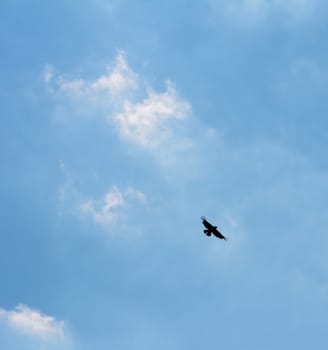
(125, 121)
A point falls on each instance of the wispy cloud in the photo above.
(110, 208)
(67, 192)
(118, 79)
(33, 322)
(115, 205)
(48, 73)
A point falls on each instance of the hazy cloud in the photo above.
(252, 13)
(307, 69)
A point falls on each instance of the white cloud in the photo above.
(118, 79)
(149, 119)
(110, 207)
(146, 123)
(33, 322)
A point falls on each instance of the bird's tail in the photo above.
(203, 217)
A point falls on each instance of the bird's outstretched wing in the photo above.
(218, 234)
(207, 224)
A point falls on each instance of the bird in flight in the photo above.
(211, 229)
